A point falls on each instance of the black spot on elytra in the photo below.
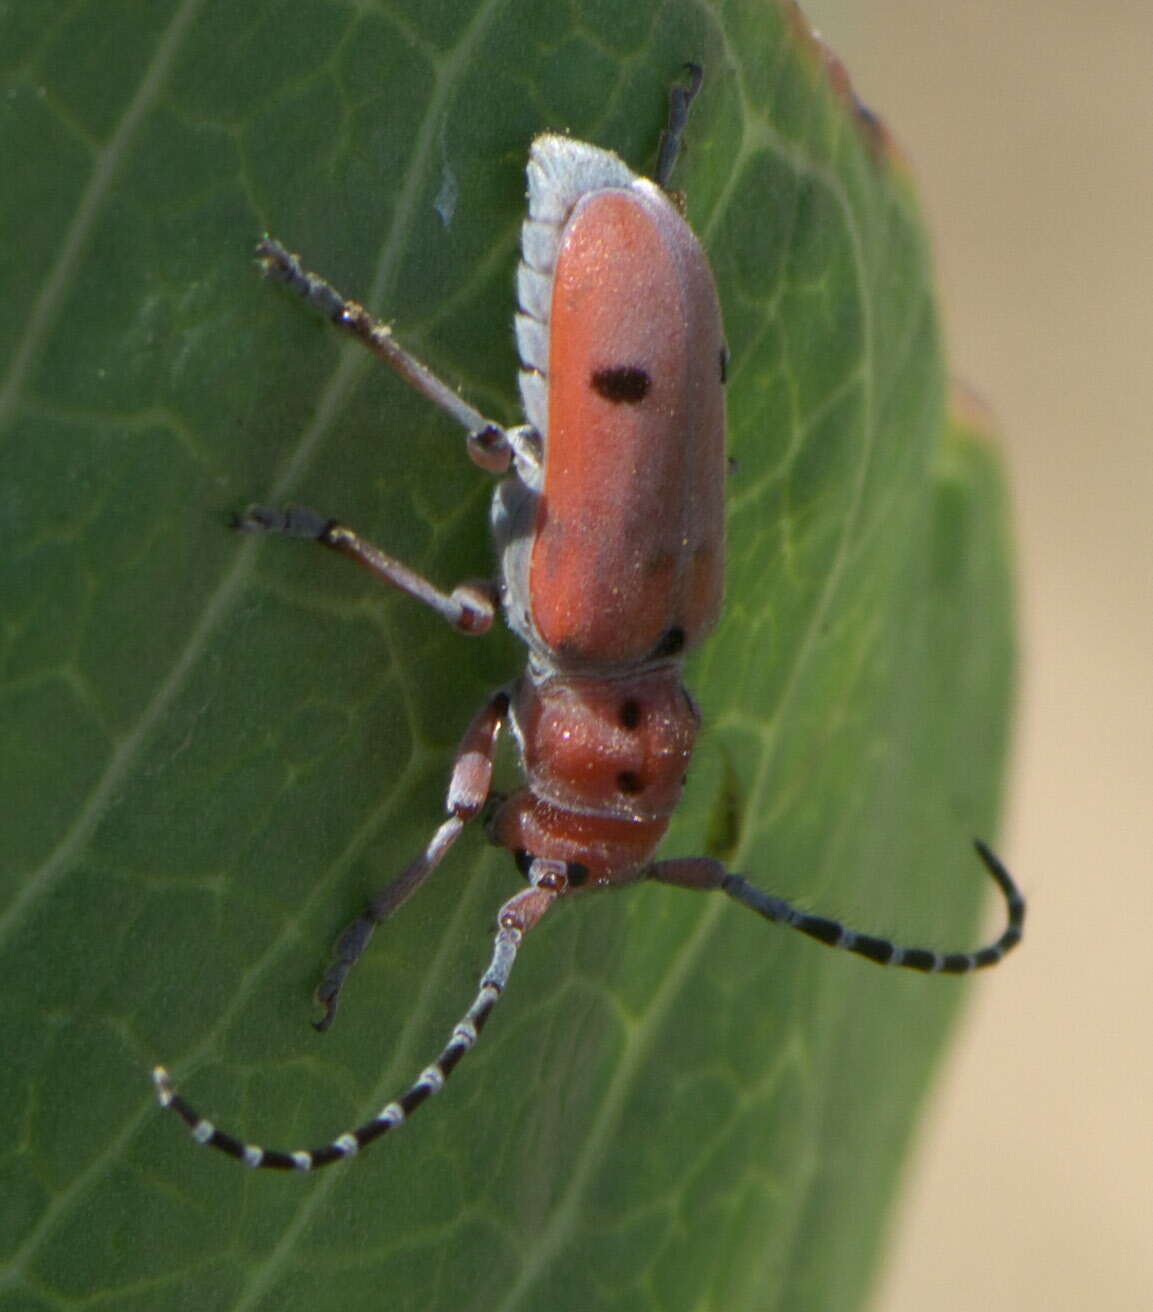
(622, 384)
(630, 713)
(629, 782)
(671, 642)
(578, 874)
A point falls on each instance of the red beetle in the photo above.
(610, 530)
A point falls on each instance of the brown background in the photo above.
(1030, 129)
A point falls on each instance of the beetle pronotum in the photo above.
(610, 532)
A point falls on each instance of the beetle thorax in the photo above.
(605, 761)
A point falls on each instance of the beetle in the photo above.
(609, 526)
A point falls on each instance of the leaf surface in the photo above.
(215, 748)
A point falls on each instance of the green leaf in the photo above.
(214, 748)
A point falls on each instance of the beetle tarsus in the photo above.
(672, 138)
(347, 952)
(291, 522)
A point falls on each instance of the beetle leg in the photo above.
(467, 792)
(469, 607)
(488, 444)
(703, 873)
(355, 937)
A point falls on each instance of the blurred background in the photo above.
(1029, 129)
